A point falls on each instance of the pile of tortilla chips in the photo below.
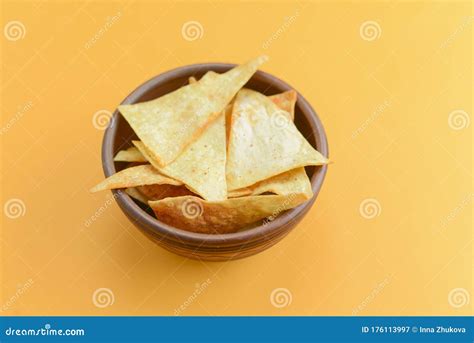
(215, 157)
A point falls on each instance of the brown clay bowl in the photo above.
(208, 246)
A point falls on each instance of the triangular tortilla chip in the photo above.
(158, 192)
(292, 181)
(201, 167)
(136, 194)
(169, 124)
(131, 154)
(264, 142)
(134, 176)
(285, 101)
(194, 214)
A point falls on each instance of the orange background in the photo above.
(385, 101)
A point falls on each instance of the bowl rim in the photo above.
(166, 231)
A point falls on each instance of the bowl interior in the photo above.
(307, 123)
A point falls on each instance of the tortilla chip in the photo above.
(264, 142)
(197, 215)
(170, 123)
(292, 181)
(136, 194)
(210, 74)
(158, 192)
(131, 154)
(286, 101)
(201, 167)
(134, 176)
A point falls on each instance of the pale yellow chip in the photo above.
(131, 154)
(198, 215)
(264, 142)
(201, 167)
(135, 176)
(170, 123)
(292, 181)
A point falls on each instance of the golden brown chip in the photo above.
(158, 192)
(198, 215)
